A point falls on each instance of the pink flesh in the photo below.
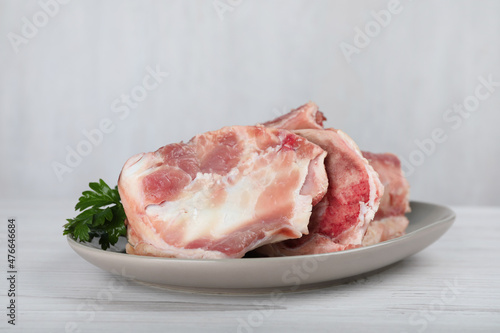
(340, 220)
(385, 229)
(395, 200)
(221, 194)
(305, 117)
(390, 221)
(393, 203)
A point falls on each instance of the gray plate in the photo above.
(428, 222)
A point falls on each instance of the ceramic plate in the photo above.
(428, 222)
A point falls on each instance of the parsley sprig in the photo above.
(102, 216)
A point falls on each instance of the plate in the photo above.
(428, 222)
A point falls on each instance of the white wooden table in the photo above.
(452, 286)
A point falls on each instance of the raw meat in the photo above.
(385, 229)
(390, 221)
(395, 200)
(221, 194)
(306, 116)
(340, 220)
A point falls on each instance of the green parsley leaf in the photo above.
(102, 216)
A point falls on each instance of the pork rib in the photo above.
(340, 220)
(395, 200)
(390, 221)
(221, 194)
(306, 116)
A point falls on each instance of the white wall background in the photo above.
(262, 58)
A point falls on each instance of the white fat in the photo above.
(196, 216)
